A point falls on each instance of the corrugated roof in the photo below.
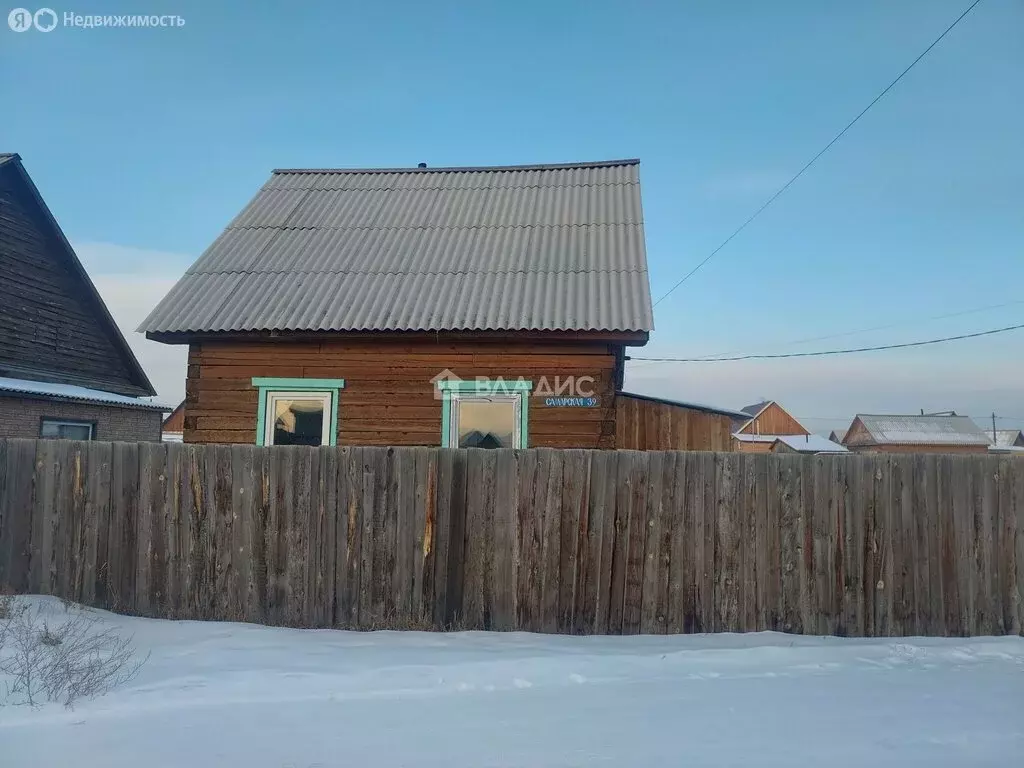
(70, 392)
(922, 430)
(503, 248)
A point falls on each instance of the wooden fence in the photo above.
(546, 540)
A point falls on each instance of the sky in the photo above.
(146, 142)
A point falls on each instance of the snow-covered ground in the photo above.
(216, 694)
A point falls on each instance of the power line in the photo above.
(830, 351)
(811, 162)
(888, 326)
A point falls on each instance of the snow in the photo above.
(220, 694)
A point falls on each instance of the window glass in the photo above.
(66, 430)
(298, 420)
(486, 423)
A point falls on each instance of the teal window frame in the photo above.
(267, 385)
(484, 388)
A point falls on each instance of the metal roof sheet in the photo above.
(503, 248)
(1008, 438)
(74, 393)
(810, 444)
(923, 430)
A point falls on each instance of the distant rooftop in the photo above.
(920, 430)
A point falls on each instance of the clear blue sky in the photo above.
(153, 139)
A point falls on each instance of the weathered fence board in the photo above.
(544, 540)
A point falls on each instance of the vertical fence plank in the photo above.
(438, 520)
(148, 552)
(423, 515)
(637, 541)
(653, 513)
(350, 539)
(551, 539)
(575, 486)
(245, 500)
(678, 594)
(458, 509)
(727, 552)
(1015, 544)
(606, 538)
(671, 512)
(533, 480)
(774, 562)
(502, 573)
(406, 532)
(987, 616)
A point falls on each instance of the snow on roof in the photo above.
(924, 430)
(1008, 438)
(744, 438)
(810, 443)
(75, 393)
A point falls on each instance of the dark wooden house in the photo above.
(422, 306)
(65, 369)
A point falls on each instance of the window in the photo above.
(297, 411)
(66, 430)
(484, 414)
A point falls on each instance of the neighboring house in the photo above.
(873, 433)
(805, 444)
(174, 425)
(837, 436)
(421, 306)
(1007, 441)
(761, 423)
(65, 369)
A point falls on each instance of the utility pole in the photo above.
(993, 427)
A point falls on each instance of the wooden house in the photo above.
(65, 369)
(874, 433)
(173, 428)
(1008, 441)
(760, 425)
(484, 306)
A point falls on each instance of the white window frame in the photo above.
(325, 397)
(66, 423)
(458, 398)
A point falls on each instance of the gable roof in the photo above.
(919, 430)
(1008, 438)
(534, 247)
(137, 381)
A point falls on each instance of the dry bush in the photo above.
(74, 659)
